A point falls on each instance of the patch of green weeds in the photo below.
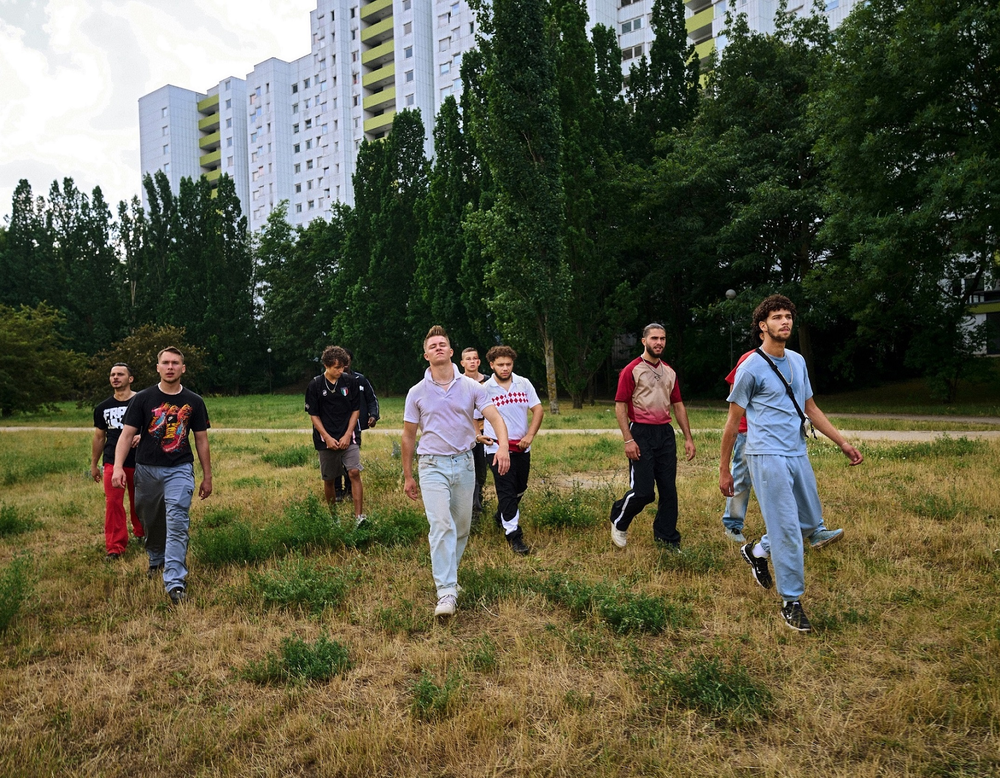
(723, 691)
(16, 586)
(395, 527)
(605, 446)
(578, 702)
(299, 661)
(621, 610)
(215, 516)
(935, 506)
(249, 482)
(482, 655)
(298, 582)
(402, 619)
(382, 474)
(837, 622)
(555, 510)
(432, 701)
(488, 585)
(296, 456)
(942, 448)
(12, 522)
(16, 468)
(235, 543)
(693, 559)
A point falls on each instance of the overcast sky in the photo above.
(72, 73)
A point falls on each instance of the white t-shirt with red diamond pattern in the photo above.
(513, 406)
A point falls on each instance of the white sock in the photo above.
(759, 552)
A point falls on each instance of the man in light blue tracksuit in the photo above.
(782, 475)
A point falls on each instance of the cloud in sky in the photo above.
(72, 73)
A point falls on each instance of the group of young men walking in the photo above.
(470, 423)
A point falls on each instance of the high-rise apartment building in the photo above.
(291, 130)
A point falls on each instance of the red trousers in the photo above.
(115, 526)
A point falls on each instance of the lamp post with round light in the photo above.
(269, 389)
(730, 296)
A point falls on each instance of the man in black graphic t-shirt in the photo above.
(165, 415)
(107, 429)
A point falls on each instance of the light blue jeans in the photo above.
(736, 506)
(163, 500)
(447, 484)
(789, 503)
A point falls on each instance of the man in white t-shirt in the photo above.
(515, 399)
(442, 407)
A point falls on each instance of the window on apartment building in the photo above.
(296, 149)
(229, 142)
(407, 28)
(324, 129)
(720, 8)
(445, 91)
(353, 12)
(444, 20)
(295, 107)
(356, 120)
(256, 91)
(633, 52)
(444, 44)
(309, 144)
(354, 35)
(267, 88)
(354, 56)
(322, 86)
(253, 176)
(295, 89)
(407, 52)
(298, 167)
(472, 28)
(305, 83)
(229, 105)
(309, 124)
(166, 148)
(253, 156)
(407, 5)
(626, 2)
(298, 189)
(312, 204)
(355, 98)
(229, 122)
(163, 112)
(446, 67)
(309, 184)
(166, 167)
(409, 100)
(229, 161)
(253, 99)
(253, 136)
(309, 164)
(307, 103)
(165, 130)
(322, 64)
(354, 79)
(408, 76)
(298, 207)
(831, 4)
(632, 24)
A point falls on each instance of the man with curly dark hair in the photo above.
(772, 387)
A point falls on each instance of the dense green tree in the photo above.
(296, 268)
(27, 264)
(35, 369)
(372, 287)
(518, 134)
(909, 117)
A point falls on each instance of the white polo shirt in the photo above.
(444, 414)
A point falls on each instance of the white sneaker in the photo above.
(735, 535)
(359, 520)
(618, 537)
(446, 606)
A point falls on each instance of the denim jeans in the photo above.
(789, 503)
(736, 506)
(447, 484)
(162, 500)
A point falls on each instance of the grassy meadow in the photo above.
(309, 648)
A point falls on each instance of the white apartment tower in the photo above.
(291, 130)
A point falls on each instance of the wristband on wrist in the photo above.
(630, 440)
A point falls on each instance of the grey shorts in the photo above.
(333, 462)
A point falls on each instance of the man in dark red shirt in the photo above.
(647, 389)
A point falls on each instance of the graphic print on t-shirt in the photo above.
(113, 417)
(169, 427)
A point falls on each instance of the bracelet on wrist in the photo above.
(630, 440)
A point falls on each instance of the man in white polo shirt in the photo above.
(515, 398)
(442, 407)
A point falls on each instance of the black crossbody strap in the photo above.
(788, 386)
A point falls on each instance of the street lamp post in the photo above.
(730, 296)
(269, 389)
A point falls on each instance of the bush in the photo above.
(396, 527)
(301, 583)
(577, 510)
(16, 585)
(235, 543)
(12, 523)
(431, 701)
(299, 661)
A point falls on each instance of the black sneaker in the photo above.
(518, 546)
(153, 571)
(758, 565)
(795, 617)
(112, 557)
(177, 595)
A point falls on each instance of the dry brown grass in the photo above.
(100, 677)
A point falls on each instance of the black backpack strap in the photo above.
(788, 389)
